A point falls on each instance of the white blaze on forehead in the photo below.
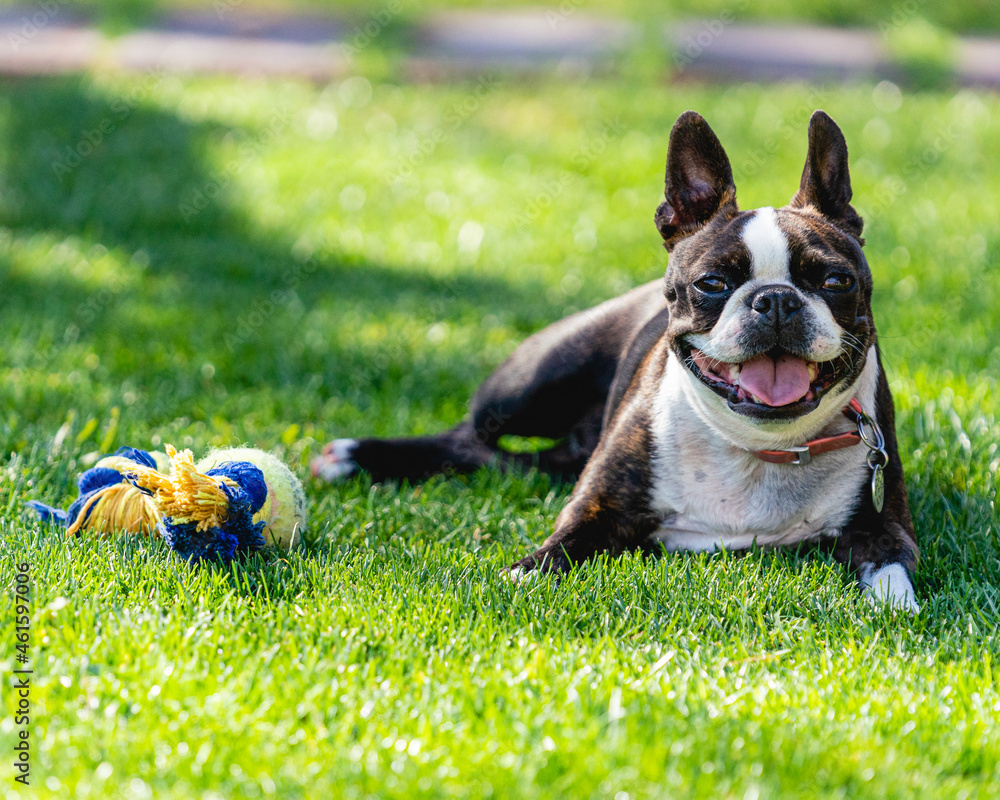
(768, 247)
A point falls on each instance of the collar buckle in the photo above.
(802, 454)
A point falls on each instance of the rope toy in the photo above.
(234, 501)
(107, 502)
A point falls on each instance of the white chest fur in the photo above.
(712, 493)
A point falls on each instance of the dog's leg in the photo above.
(565, 460)
(461, 449)
(882, 546)
(413, 458)
(608, 513)
(549, 387)
(884, 555)
(589, 525)
(609, 510)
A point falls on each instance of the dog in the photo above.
(740, 401)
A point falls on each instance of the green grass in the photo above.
(341, 283)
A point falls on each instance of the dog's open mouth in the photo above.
(773, 384)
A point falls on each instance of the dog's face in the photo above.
(769, 309)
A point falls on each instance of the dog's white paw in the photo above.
(889, 586)
(336, 462)
(519, 576)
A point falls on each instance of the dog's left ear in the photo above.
(826, 178)
(699, 181)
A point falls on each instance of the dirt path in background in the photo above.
(47, 39)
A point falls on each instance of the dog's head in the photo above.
(770, 310)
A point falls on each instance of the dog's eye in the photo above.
(838, 282)
(711, 285)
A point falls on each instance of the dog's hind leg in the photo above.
(460, 449)
(567, 458)
(411, 458)
(553, 386)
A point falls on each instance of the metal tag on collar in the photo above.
(878, 488)
(871, 436)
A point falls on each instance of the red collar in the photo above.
(804, 452)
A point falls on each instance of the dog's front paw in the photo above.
(336, 462)
(889, 585)
(520, 576)
(546, 561)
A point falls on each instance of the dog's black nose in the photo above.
(776, 304)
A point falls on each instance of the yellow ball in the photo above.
(284, 510)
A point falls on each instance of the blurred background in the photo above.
(922, 42)
(965, 16)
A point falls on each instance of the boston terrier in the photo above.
(739, 401)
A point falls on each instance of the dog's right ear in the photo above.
(699, 182)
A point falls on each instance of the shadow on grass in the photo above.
(191, 285)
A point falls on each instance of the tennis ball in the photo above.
(284, 510)
(162, 461)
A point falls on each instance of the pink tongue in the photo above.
(777, 383)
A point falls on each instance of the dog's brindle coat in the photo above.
(644, 393)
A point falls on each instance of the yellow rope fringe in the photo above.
(121, 507)
(185, 495)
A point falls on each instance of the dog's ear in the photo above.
(826, 178)
(699, 182)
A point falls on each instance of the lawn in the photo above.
(206, 262)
